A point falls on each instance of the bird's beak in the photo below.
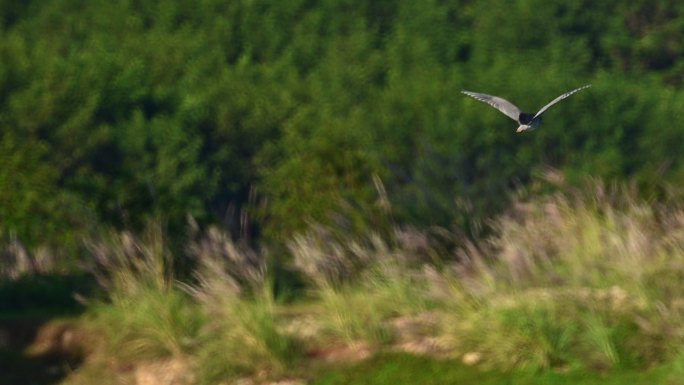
(520, 129)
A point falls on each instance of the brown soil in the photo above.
(44, 353)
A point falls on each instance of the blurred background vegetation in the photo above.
(266, 179)
(264, 116)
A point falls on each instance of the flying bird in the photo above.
(527, 122)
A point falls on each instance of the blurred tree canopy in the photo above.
(113, 112)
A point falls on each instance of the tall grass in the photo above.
(586, 280)
(575, 280)
(225, 322)
(16, 260)
(360, 283)
(146, 315)
(244, 334)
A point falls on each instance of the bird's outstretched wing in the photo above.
(558, 99)
(500, 104)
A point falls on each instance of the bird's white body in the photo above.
(530, 127)
(527, 122)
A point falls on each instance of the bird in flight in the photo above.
(527, 122)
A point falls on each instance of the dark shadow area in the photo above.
(39, 340)
(51, 367)
(47, 295)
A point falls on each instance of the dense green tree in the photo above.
(327, 110)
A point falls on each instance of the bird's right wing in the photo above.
(503, 105)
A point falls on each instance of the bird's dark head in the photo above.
(525, 118)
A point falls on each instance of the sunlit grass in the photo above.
(146, 315)
(388, 369)
(359, 284)
(243, 334)
(583, 283)
(590, 281)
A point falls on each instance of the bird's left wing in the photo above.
(558, 99)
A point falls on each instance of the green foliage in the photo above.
(289, 111)
(32, 207)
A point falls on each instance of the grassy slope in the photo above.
(593, 284)
(389, 369)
